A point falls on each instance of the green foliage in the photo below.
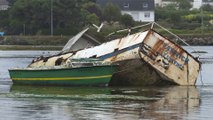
(92, 19)
(207, 7)
(184, 4)
(69, 15)
(169, 14)
(170, 7)
(11, 2)
(33, 16)
(127, 20)
(93, 9)
(3, 20)
(32, 13)
(197, 17)
(35, 40)
(179, 17)
(111, 12)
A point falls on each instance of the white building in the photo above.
(4, 4)
(140, 10)
(197, 4)
(158, 2)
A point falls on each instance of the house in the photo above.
(4, 4)
(158, 2)
(140, 10)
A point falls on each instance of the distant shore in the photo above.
(30, 47)
(57, 42)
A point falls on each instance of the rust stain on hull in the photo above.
(145, 58)
(171, 61)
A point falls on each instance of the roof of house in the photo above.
(4, 2)
(137, 5)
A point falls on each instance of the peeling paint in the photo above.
(164, 60)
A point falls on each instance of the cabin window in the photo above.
(94, 56)
(147, 15)
(145, 5)
(126, 5)
(115, 49)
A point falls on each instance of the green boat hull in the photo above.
(84, 76)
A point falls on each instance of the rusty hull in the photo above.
(145, 58)
(170, 60)
(116, 50)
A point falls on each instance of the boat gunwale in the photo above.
(56, 69)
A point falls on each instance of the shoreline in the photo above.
(30, 47)
(57, 42)
(44, 47)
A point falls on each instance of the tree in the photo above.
(69, 16)
(92, 19)
(111, 12)
(170, 7)
(184, 4)
(127, 20)
(164, 13)
(32, 13)
(207, 7)
(170, 14)
(4, 20)
(11, 2)
(93, 9)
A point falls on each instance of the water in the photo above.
(96, 103)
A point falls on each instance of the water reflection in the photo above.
(67, 103)
(5, 88)
(37, 102)
(178, 101)
(58, 92)
(165, 103)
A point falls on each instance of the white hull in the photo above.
(145, 58)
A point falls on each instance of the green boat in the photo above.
(76, 72)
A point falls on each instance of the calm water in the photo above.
(95, 103)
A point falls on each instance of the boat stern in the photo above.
(170, 60)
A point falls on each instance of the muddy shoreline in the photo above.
(57, 42)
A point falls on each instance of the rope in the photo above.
(123, 30)
(152, 25)
(178, 38)
(201, 78)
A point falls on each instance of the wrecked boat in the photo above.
(144, 58)
(76, 72)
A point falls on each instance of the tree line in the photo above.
(180, 15)
(33, 17)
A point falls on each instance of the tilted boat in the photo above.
(145, 58)
(75, 72)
